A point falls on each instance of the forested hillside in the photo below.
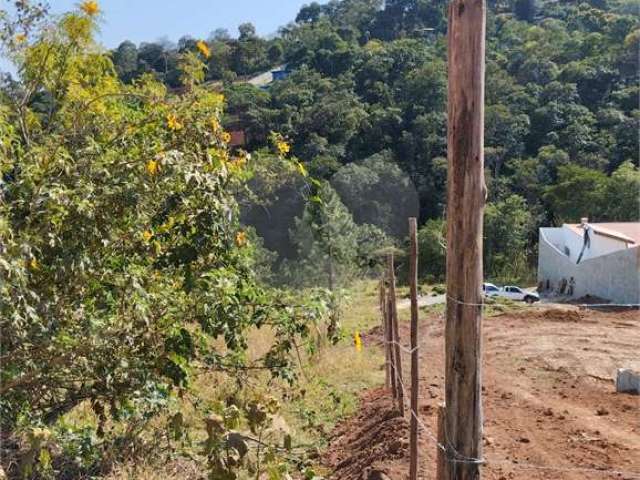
(369, 81)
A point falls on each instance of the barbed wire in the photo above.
(460, 458)
(542, 305)
(469, 304)
(453, 455)
(404, 349)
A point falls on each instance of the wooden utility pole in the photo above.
(413, 287)
(466, 193)
(396, 357)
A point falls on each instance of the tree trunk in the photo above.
(332, 274)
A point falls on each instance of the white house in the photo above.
(597, 259)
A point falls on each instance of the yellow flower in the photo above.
(302, 170)
(203, 48)
(357, 341)
(215, 124)
(241, 239)
(33, 264)
(226, 137)
(240, 161)
(20, 38)
(90, 7)
(172, 122)
(147, 235)
(283, 147)
(152, 167)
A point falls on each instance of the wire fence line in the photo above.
(460, 458)
(403, 348)
(449, 453)
(545, 305)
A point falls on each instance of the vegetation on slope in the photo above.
(369, 79)
(127, 283)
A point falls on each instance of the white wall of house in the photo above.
(570, 241)
(614, 276)
(573, 242)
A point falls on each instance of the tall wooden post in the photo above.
(385, 330)
(466, 194)
(396, 356)
(413, 287)
(389, 346)
(440, 455)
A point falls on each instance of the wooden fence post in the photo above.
(389, 350)
(440, 455)
(413, 285)
(385, 330)
(466, 194)
(397, 358)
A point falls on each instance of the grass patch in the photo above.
(333, 377)
(329, 381)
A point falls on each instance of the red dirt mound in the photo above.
(376, 432)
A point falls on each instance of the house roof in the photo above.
(265, 78)
(261, 80)
(628, 232)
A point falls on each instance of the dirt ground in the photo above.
(548, 398)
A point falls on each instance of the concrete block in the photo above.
(627, 381)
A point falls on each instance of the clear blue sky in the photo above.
(148, 20)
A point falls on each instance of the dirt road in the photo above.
(551, 412)
(423, 301)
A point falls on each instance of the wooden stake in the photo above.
(390, 352)
(466, 194)
(385, 329)
(413, 286)
(440, 455)
(397, 358)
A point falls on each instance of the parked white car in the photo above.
(489, 288)
(511, 292)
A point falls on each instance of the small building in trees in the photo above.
(263, 80)
(240, 137)
(595, 259)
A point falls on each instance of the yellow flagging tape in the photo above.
(357, 341)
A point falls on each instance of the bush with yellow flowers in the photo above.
(121, 255)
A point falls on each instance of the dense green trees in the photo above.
(370, 79)
(507, 224)
(331, 247)
(377, 192)
(593, 194)
(124, 269)
(559, 102)
(432, 243)
(230, 57)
